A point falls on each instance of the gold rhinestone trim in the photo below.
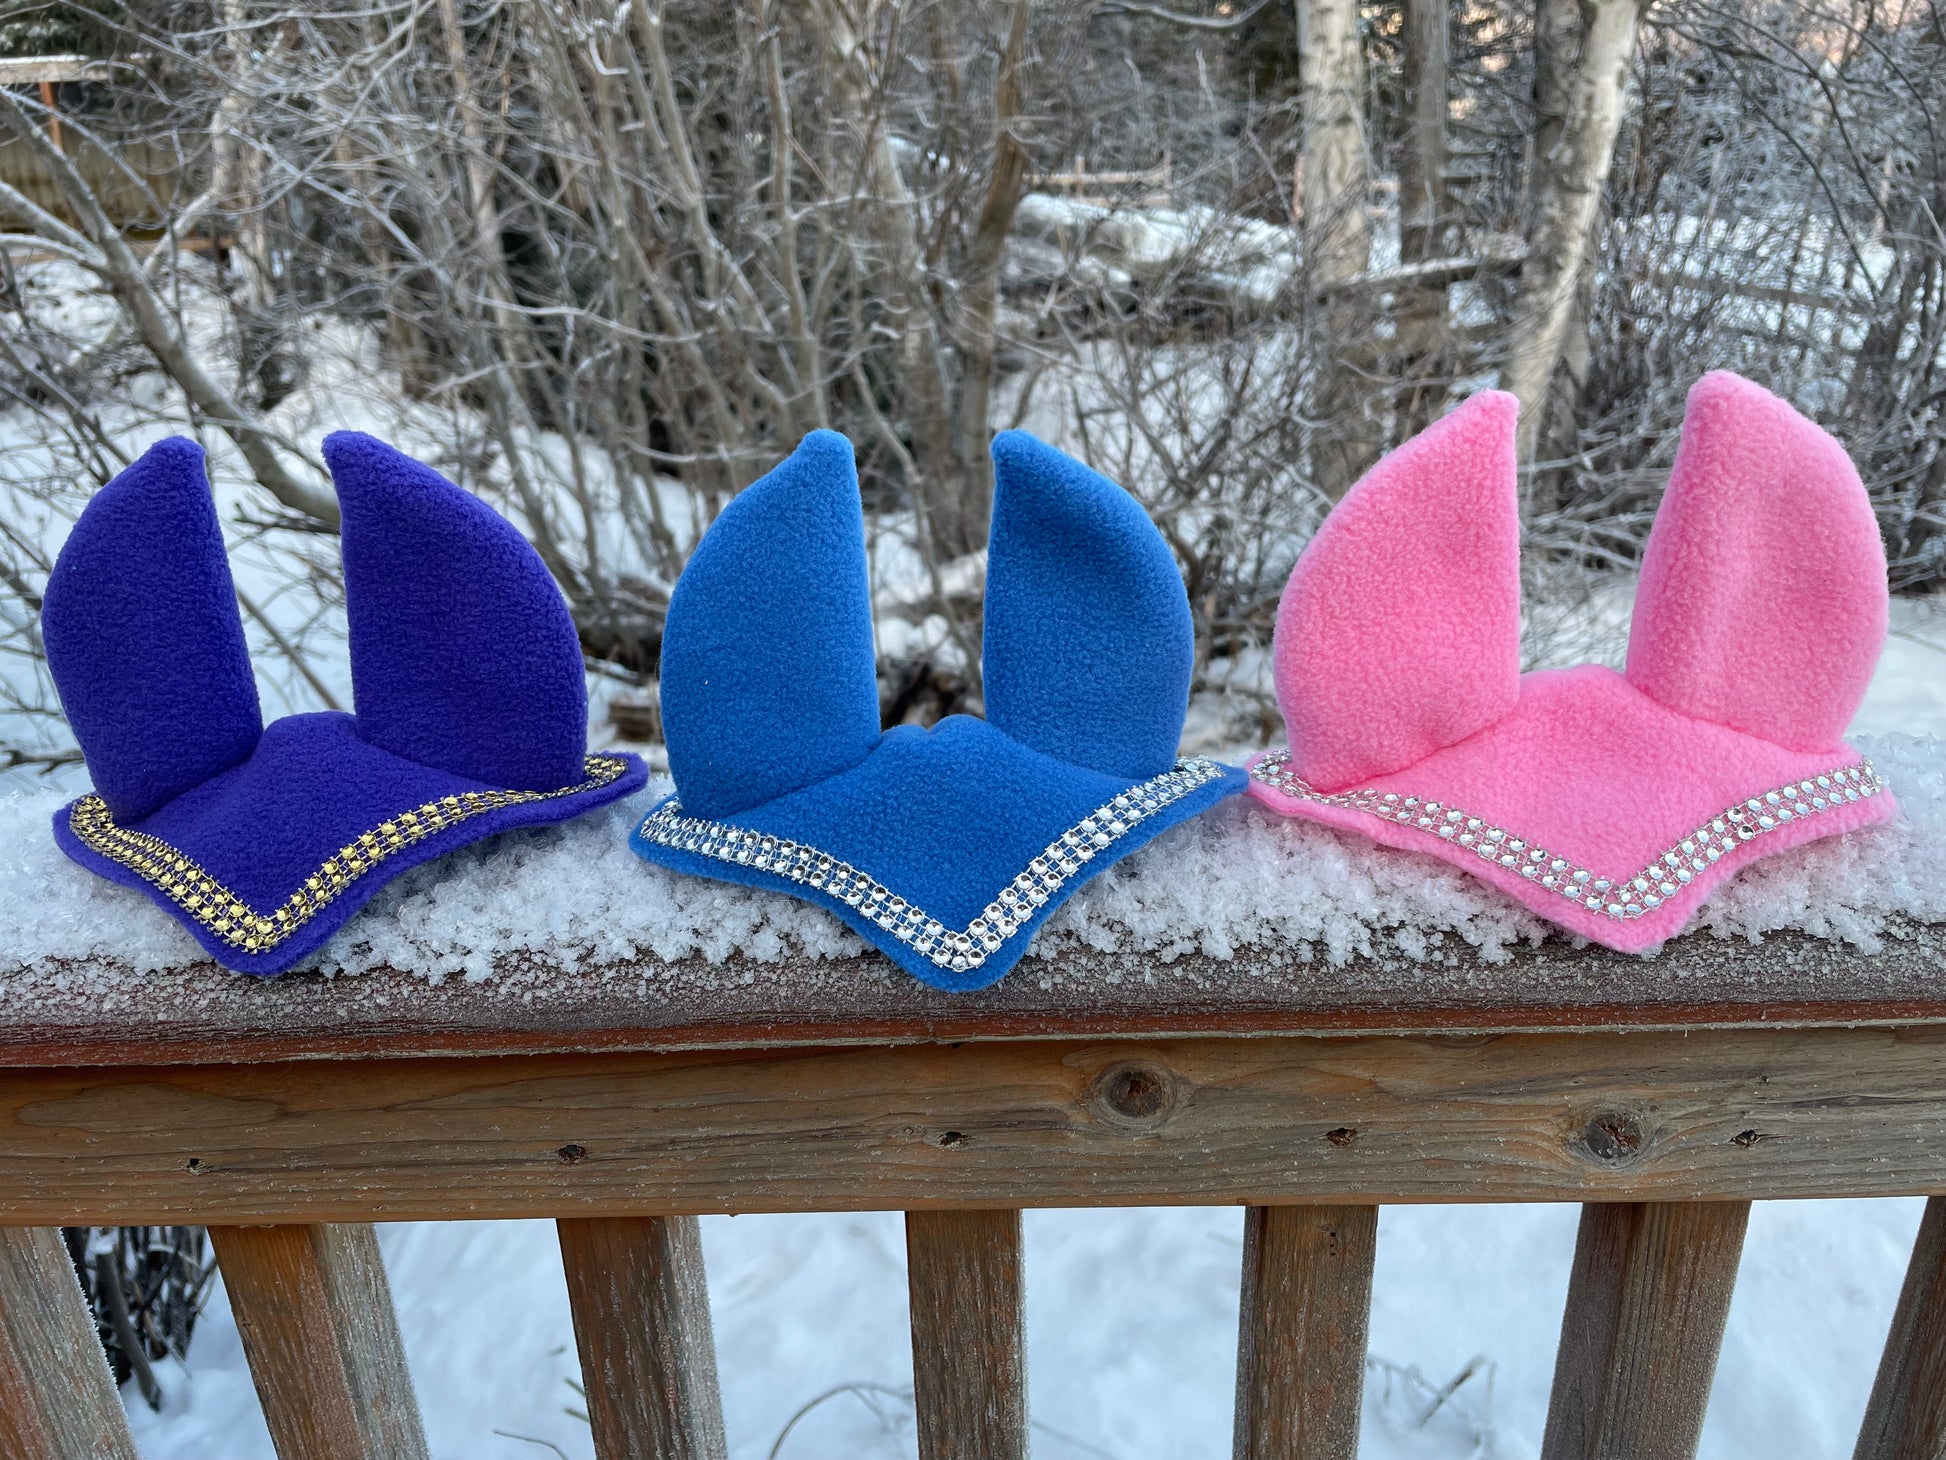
(1631, 897)
(959, 951)
(241, 926)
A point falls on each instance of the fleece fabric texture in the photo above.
(1089, 641)
(1399, 630)
(944, 818)
(1604, 772)
(769, 678)
(313, 787)
(458, 623)
(1762, 602)
(432, 576)
(142, 628)
(1595, 772)
(770, 704)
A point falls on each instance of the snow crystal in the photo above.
(574, 899)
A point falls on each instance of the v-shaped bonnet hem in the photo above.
(263, 863)
(945, 850)
(1597, 808)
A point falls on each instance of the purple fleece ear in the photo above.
(1089, 642)
(1399, 631)
(769, 678)
(1762, 604)
(144, 638)
(463, 654)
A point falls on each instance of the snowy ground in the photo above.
(1131, 1314)
(1131, 1319)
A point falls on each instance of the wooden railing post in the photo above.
(57, 1398)
(641, 1322)
(1906, 1417)
(1647, 1300)
(1307, 1298)
(315, 1315)
(969, 1376)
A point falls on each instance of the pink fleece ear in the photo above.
(1762, 603)
(1399, 631)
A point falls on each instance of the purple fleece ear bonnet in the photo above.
(262, 840)
(945, 848)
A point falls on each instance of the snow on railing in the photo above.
(574, 897)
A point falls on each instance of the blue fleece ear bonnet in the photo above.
(946, 848)
(471, 707)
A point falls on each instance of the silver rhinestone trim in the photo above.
(959, 951)
(1631, 897)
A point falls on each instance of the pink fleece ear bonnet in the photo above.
(1608, 803)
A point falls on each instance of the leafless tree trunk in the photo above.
(1422, 165)
(1421, 309)
(1334, 165)
(236, 172)
(1569, 178)
(980, 295)
(1557, 52)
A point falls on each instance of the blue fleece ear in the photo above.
(463, 654)
(769, 682)
(1089, 643)
(144, 639)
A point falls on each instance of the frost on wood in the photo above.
(576, 899)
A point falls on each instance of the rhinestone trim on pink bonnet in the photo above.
(1630, 897)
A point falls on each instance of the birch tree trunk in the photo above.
(1332, 163)
(1332, 170)
(1569, 177)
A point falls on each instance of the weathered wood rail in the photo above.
(289, 1115)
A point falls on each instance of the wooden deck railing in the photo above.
(290, 1115)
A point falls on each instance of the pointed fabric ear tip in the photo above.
(769, 672)
(346, 449)
(1399, 630)
(1491, 410)
(175, 463)
(144, 638)
(366, 471)
(827, 454)
(1762, 603)
(463, 653)
(1089, 644)
(363, 466)
(1020, 451)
